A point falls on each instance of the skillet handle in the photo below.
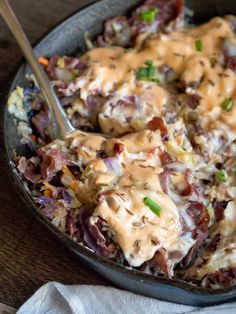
(63, 126)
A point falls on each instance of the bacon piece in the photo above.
(165, 158)
(219, 208)
(194, 101)
(192, 188)
(212, 246)
(159, 262)
(158, 123)
(118, 148)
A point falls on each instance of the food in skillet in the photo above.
(157, 191)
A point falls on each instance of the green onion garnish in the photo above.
(149, 63)
(221, 176)
(148, 16)
(227, 104)
(148, 73)
(155, 208)
(199, 45)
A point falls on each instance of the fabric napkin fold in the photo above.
(56, 298)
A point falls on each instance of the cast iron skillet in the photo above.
(67, 39)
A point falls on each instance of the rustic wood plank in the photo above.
(29, 254)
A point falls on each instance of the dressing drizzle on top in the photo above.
(126, 179)
(115, 69)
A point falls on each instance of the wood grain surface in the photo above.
(29, 254)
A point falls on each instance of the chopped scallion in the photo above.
(149, 63)
(155, 208)
(199, 45)
(148, 16)
(148, 73)
(227, 104)
(221, 176)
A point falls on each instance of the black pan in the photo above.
(67, 38)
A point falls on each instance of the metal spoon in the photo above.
(63, 128)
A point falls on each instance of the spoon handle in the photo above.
(63, 123)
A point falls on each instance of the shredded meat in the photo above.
(159, 262)
(52, 162)
(200, 217)
(157, 123)
(224, 278)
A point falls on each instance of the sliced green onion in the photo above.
(155, 208)
(221, 176)
(227, 104)
(149, 63)
(199, 45)
(148, 16)
(142, 73)
(148, 73)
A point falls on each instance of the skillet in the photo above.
(67, 39)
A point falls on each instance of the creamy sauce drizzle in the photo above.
(133, 174)
(120, 185)
(117, 185)
(114, 70)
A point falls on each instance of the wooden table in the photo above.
(29, 254)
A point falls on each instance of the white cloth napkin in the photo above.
(55, 298)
